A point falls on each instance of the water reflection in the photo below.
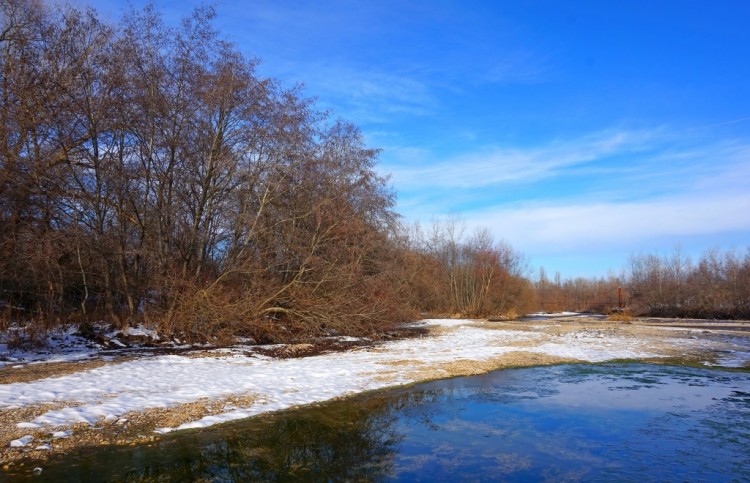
(627, 421)
(332, 442)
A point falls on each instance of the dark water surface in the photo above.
(610, 422)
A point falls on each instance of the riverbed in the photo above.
(56, 409)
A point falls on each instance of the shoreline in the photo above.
(453, 348)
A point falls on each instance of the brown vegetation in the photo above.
(716, 287)
(579, 294)
(148, 174)
(451, 273)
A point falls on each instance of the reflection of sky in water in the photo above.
(646, 390)
(583, 422)
(722, 349)
(611, 422)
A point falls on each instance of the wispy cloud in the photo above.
(502, 165)
(369, 95)
(517, 67)
(328, 46)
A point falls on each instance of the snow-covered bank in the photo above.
(111, 391)
(65, 344)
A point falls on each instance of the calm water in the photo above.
(612, 422)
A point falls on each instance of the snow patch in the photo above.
(554, 314)
(21, 442)
(28, 426)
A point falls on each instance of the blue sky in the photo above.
(580, 131)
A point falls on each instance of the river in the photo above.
(578, 422)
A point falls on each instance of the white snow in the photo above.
(62, 346)
(553, 314)
(110, 391)
(21, 442)
(28, 425)
(593, 346)
(65, 345)
(346, 338)
(139, 331)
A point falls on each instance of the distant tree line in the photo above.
(578, 294)
(452, 272)
(717, 285)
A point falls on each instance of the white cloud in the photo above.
(563, 227)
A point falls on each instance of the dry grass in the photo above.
(621, 316)
(32, 372)
(425, 372)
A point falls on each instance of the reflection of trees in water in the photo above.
(423, 406)
(354, 439)
(347, 440)
(323, 444)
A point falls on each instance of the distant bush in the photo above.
(620, 316)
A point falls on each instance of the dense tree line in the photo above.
(601, 295)
(147, 172)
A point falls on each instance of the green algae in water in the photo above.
(610, 422)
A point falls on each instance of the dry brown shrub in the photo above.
(620, 316)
